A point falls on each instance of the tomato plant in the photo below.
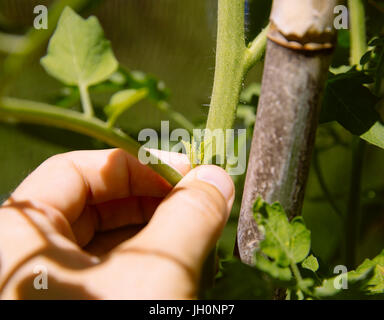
(303, 71)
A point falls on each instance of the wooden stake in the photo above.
(295, 72)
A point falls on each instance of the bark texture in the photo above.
(303, 24)
(283, 137)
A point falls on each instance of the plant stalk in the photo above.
(256, 49)
(358, 48)
(233, 60)
(15, 110)
(86, 101)
(353, 209)
(229, 70)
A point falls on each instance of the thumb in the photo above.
(189, 221)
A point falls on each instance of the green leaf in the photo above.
(356, 289)
(310, 263)
(349, 102)
(366, 57)
(376, 283)
(122, 101)
(375, 135)
(78, 53)
(300, 240)
(285, 242)
(366, 282)
(240, 281)
(272, 269)
(373, 62)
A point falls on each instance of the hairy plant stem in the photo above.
(358, 30)
(358, 48)
(256, 49)
(229, 68)
(233, 60)
(12, 109)
(229, 73)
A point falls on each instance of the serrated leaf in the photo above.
(122, 101)
(349, 102)
(357, 284)
(366, 282)
(284, 242)
(272, 268)
(376, 283)
(310, 263)
(78, 53)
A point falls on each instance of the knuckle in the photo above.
(205, 201)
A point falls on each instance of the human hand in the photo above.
(83, 217)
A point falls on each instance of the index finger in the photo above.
(67, 182)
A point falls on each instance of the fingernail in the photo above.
(217, 177)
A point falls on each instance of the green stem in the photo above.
(296, 272)
(299, 279)
(256, 49)
(358, 48)
(12, 109)
(353, 209)
(233, 61)
(358, 30)
(86, 101)
(229, 74)
(229, 70)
